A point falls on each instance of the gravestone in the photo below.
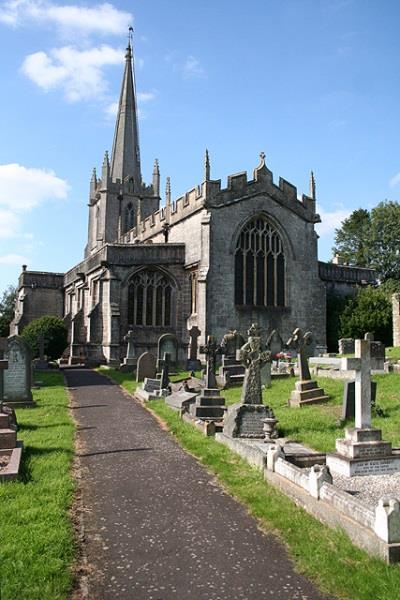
(41, 363)
(306, 390)
(346, 346)
(164, 363)
(369, 336)
(210, 405)
(146, 366)
(130, 359)
(349, 395)
(274, 343)
(246, 419)
(18, 376)
(168, 343)
(3, 347)
(193, 363)
(377, 355)
(362, 451)
(231, 371)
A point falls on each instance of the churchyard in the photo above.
(36, 507)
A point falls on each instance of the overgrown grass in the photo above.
(36, 534)
(327, 556)
(392, 352)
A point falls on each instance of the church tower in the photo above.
(120, 196)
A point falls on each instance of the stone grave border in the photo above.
(377, 531)
(10, 471)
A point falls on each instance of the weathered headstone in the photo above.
(193, 360)
(369, 336)
(274, 343)
(168, 343)
(377, 355)
(362, 452)
(306, 390)
(130, 359)
(17, 378)
(210, 404)
(164, 363)
(231, 371)
(349, 395)
(146, 366)
(346, 346)
(10, 449)
(246, 419)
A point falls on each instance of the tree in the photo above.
(352, 239)
(335, 305)
(385, 239)
(54, 334)
(7, 304)
(370, 310)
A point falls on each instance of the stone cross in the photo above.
(362, 366)
(41, 347)
(299, 342)
(164, 364)
(211, 349)
(194, 333)
(129, 337)
(254, 358)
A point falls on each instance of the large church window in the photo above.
(129, 216)
(150, 299)
(259, 265)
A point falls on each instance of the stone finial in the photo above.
(206, 166)
(312, 192)
(23, 268)
(319, 474)
(274, 452)
(262, 160)
(94, 175)
(156, 178)
(168, 192)
(387, 520)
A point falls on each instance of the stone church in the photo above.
(216, 258)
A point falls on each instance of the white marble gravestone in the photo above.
(362, 451)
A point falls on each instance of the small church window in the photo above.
(129, 217)
(150, 299)
(259, 265)
(193, 292)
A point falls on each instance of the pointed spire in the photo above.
(125, 158)
(156, 178)
(206, 166)
(168, 192)
(105, 170)
(312, 193)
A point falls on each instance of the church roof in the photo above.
(125, 158)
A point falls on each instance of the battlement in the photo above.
(210, 195)
(40, 279)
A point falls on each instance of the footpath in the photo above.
(156, 524)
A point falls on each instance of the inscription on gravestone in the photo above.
(17, 378)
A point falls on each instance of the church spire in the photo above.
(312, 192)
(125, 159)
(206, 166)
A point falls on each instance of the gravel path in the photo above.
(156, 524)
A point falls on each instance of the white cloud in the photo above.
(9, 224)
(331, 220)
(145, 96)
(102, 18)
(13, 259)
(111, 110)
(192, 67)
(22, 188)
(79, 73)
(395, 180)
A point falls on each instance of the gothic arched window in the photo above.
(129, 216)
(259, 265)
(150, 299)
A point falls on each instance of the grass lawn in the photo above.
(327, 556)
(36, 534)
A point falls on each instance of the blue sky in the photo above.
(313, 84)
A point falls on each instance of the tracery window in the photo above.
(150, 299)
(129, 216)
(259, 265)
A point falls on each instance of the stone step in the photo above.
(4, 421)
(363, 449)
(317, 400)
(208, 412)
(211, 401)
(310, 394)
(8, 439)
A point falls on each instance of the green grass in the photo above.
(327, 556)
(36, 534)
(393, 352)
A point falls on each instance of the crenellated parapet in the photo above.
(210, 195)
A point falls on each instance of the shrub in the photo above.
(54, 334)
(369, 310)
